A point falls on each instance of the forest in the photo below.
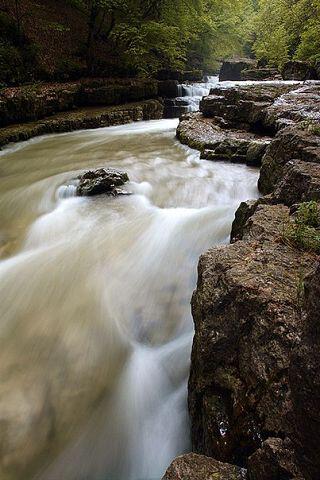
(142, 37)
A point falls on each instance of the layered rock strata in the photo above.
(82, 119)
(33, 102)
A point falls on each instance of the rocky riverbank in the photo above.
(254, 386)
(33, 110)
(82, 119)
(37, 101)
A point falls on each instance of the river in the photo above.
(96, 328)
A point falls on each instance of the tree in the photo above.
(284, 29)
(101, 18)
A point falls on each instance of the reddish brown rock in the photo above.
(305, 382)
(275, 460)
(247, 320)
(199, 467)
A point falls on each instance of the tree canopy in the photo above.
(286, 29)
(150, 35)
(141, 37)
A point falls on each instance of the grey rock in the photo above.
(232, 69)
(102, 181)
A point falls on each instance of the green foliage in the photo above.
(58, 27)
(304, 232)
(311, 126)
(149, 35)
(285, 29)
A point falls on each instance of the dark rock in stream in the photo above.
(232, 69)
(199, 467)
(102, 181)
(297, 70)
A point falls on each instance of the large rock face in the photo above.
(247, 314)
(232, 69)
(199, 467)
(29, 103)
(297, 70)
(247, 320)
(242, 106)
(304, 378)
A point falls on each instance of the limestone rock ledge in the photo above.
(249, 318)
(82, 119)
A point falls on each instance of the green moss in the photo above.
(311, 126)
(304, 231)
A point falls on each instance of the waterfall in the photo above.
(189, 96)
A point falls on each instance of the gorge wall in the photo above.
(254, 384)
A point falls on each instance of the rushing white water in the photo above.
(96, 328)
(190, 94)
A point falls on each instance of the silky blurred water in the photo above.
(95, 326)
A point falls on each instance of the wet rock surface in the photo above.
(242, 106)
(102, 181)
(199, 467)
(30, 103)
(275, 460)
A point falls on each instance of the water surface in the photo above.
(96, 328)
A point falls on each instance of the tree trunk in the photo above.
(93, 15)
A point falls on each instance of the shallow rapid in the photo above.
(96, 328)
